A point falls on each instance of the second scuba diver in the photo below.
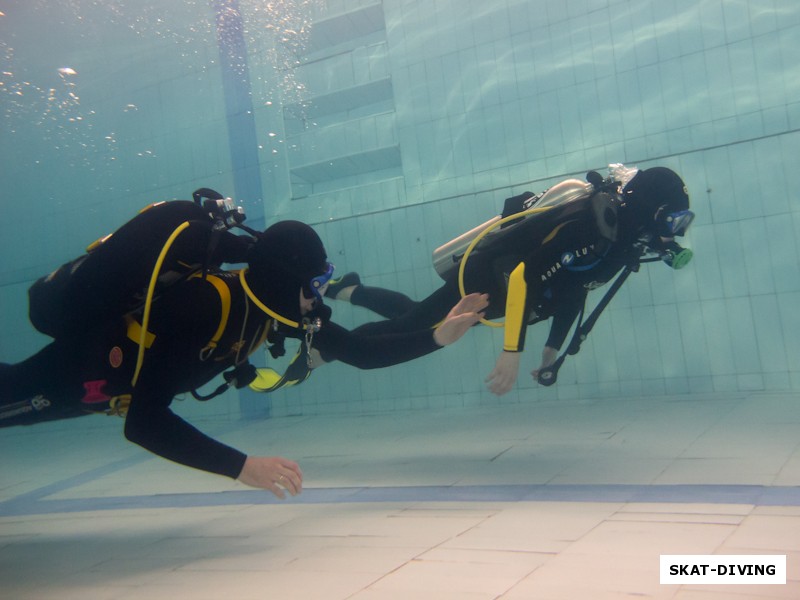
(541, 257)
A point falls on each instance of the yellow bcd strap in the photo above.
(146, 339)
(225, 299)
(134, 332)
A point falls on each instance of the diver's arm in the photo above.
(568, 299)
(504, 375)
(520, 299)
(150, 421)
(162, 432)
(562, 321)
(549, 356)
(151, 424)
(187, 317)
(568, 306)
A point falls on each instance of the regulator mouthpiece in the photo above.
(677, 257)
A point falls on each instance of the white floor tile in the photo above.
(541, 501)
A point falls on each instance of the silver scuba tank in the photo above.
(447, 257)
(568, 190)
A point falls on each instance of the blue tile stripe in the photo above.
(39, 501)
(35, 503)
(242, 136)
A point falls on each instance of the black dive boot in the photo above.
(336, 285)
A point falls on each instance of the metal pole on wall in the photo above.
(237, 90)
(243, 143)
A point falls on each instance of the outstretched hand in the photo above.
(502, 379)
(463, 315)
(272, 473)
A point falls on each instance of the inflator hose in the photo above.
(477, 240)
(264, 308)
(149, 300)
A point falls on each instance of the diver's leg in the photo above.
(422, 315)
(342, 287)
(31, 376)
(39, 388)
(387, 303)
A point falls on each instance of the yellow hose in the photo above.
(149, 300)
(264, 307)
(477, 240)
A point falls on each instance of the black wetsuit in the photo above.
(79, 374)
(562, 255)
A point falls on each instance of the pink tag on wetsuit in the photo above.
(94, 393)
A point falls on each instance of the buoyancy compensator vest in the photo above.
(55, 311)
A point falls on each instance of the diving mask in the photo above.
(673, 224)
(319, 284)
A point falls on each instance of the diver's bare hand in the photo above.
(502, 379)
(463, 315)
(549, 356)
(272, 473)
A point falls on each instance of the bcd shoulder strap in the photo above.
(134, 328)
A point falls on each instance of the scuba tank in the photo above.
(566, 191)
(47, 306)
(447, 257)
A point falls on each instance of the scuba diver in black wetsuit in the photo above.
(195, 322)
(542, 257)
